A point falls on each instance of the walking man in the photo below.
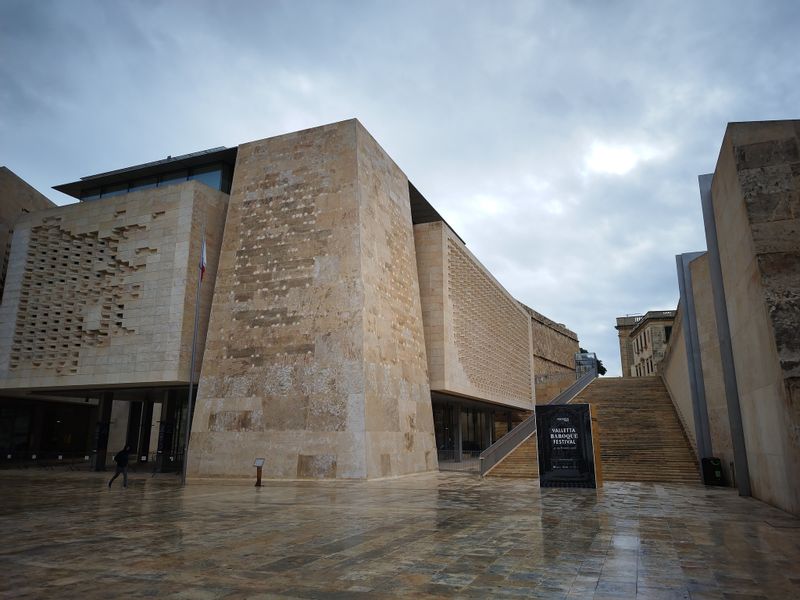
(122, 466)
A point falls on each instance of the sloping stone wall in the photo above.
(315, 357)
(756, 198)
(399, 417)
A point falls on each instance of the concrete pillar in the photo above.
(36, 429)
(101, 432)
(134, 425)
(166, 450)
(457, 436)
(488, 425)
(145, 427)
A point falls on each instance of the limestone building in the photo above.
(733, 362)
(643, 340)
(345, 330)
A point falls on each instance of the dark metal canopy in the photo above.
(422, 211)
(171, 163)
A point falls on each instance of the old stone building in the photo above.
(643, 340)
(345, 330)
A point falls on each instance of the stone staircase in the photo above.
(522, 462)
(641, 438)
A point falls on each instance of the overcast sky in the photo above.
(561, 140)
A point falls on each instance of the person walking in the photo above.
(121, 459)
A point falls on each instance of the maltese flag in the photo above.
(203, 259)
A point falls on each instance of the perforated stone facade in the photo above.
(101, 292)
(480, 343)
(17, 198)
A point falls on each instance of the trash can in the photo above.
(712, 471)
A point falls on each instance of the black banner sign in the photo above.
(564, 436)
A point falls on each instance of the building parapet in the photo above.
(559, 327)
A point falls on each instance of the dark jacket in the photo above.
(122, 458)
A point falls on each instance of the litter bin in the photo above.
(712, 471)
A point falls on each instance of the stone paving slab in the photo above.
(441, 535)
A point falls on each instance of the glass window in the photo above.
(90, 194)
(211, 176)
(115, 190)
(226, 179)
(171, 178)
(144, 184)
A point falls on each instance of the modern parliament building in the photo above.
(345, 330)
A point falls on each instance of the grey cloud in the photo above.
(490, 108)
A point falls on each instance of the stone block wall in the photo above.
(478, 336)
(675, 373)
(102, 293)
(17, 198)
(625, 347)
(314, 358)
(399, 418)
(554, 348)
(756, 201)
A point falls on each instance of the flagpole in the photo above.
(200, 271)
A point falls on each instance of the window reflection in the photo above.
(216, 176)
(211, 176)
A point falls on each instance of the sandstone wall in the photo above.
(399, 417)
(16, 199)
(430, 245)
(756, 198)
(554, 348)
(314, 358)
(102, 293)
(478, 336)
(625, 351)
(675, 373)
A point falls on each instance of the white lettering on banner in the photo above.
(564, 436)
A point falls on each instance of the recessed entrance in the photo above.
(465, 428)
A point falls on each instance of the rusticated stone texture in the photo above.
(16, 199)
(554, 348)
(478, 336)
(315, 357)
(103, 292)
(399, 418)
(756, 197)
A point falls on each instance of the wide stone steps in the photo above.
(641, 438)
(522, 462)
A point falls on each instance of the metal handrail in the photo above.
(509, 442)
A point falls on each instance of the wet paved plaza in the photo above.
(66, 535)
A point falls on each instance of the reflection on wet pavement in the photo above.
(66, 535)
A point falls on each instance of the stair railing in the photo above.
(510, 441)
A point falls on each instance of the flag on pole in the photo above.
(203, 259)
